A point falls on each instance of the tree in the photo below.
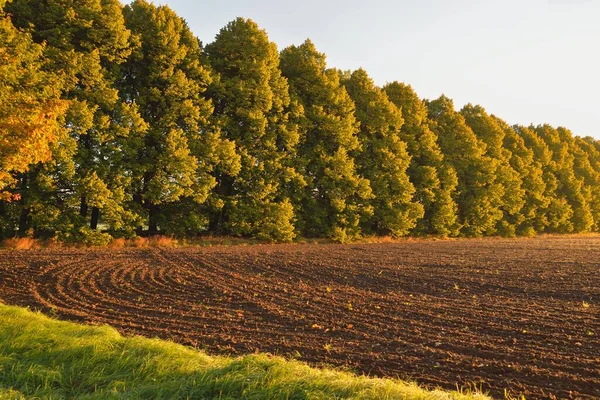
(569, 192)
(478, 194)
(383, 158)
(508, 182)
(336, 199)
(254, 110)
(30, 114)
(587, 166)
(556, 215)
(85, 43)
(531, 217)
(435, 181)
(176, 164)
(30, 108)
(115, 118)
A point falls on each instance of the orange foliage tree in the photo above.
(29, 104)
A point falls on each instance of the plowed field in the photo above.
(522, 314)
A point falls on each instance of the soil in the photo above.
(521, 315)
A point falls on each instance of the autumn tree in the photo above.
(383, 158)
(435, 181)
(30, 114)
(254, 110)
(336, 198)
(29, 104)
(85, 42)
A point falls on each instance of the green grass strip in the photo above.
(42, 358)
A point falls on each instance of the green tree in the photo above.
(383, 158)
(508, 183)
(176, 164)
(556, 215)
(569, 193)
(254, 110)
(478, 194)
(435, 182)
(336, 198)
(531, 217)
(587, 165)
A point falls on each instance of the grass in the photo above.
(43, 358)
(212, 240)
(21, 243)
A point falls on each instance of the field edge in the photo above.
(44, 357)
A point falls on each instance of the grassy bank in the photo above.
(44, 358)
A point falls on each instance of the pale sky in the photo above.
(526, 61)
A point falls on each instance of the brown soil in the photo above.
(521, 315)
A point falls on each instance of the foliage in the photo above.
(116, 122)
(336, 198)
(30, 109)
(508, 183)
(165, 77)
(478, 193)
(383, 158)
(435, 182)
(89, 162)
(571, 197)
(254, 110)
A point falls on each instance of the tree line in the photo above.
(117, 121)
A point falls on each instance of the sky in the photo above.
(526, 61)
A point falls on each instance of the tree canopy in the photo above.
(30, 106)
(336, 197)
(116, 121)
(254, 110)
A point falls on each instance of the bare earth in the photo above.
(515, 314)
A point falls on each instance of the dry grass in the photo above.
(117, 243)
(214, 240)
(21, 243)
(154, 241)
(141, 242)
(163, 241)
(138, 242)
(403, 239)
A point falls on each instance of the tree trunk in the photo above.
(24, 218)
(152, 208)
(215, 222)
(138, 199)
(95, 218)
(83, 207)
(85, 142)
(218, 218)
(24, 222)
(2, 215)
(152, 219)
